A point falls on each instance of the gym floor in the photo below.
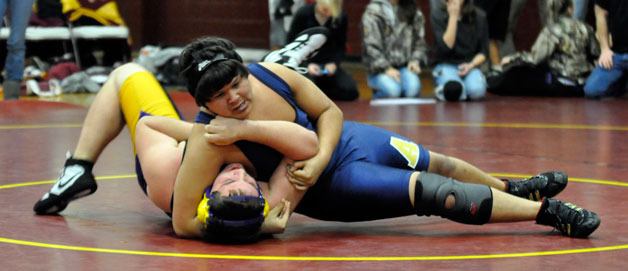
(117, 228)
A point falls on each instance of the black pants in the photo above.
(528, 80)
(339, 86)
(497, 12)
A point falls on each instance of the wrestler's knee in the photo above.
(450, 202)
(121, 73)
(448, 198)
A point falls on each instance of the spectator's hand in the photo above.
(464, 68)
(305, 173)
(277, 219)
(454, 7)
(394, 73)
(224, 131)
(606, 59)
(414, 66)
(314, 69)
(331, 68)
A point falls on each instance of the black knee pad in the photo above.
(473, 202)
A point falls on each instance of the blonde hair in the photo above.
(334, 5)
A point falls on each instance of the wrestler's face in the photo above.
(233, 180)
(233, 100)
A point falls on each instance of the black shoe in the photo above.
(304, 46)
(452, 91)
(76, 181)
(568, 218)
(544, 185)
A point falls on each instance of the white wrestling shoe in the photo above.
(305, 46)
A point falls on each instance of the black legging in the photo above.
(340, 86)
(529, 80)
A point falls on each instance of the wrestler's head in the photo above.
(233, 208)
(216, 76)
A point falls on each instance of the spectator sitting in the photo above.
(559, 62)
(324, 68)
(611, 19)
(461, 41)
(394, 47)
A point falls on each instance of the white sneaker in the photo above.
(305, 46)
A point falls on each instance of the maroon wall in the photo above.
(176, 22)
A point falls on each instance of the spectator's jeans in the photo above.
(20, 13)
(474, 83)
(601, 79)
(387, 87)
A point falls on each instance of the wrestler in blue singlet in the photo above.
(367, 176)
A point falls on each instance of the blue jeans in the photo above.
(20, 13)
(474, 83)
(387, 87)
(601, 79)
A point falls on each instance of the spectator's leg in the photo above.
(508, 46)
(599, 82)
(522, 80)
(3, 43)
(384, 86)
(410, 83)
(346, 87)
(475, 84)
(20, 12)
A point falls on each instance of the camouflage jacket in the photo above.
(386, 41)
(569, 47)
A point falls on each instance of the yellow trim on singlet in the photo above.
(141, 92)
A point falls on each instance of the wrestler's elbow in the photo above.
(310, 145)
(183, 229)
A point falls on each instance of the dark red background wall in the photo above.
(245, 22)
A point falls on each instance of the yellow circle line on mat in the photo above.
(312, 258)
(503, 125)
(40, 126)
(315, 258)
(112, 177)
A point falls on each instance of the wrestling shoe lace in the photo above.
(569, 219)
(544, 185)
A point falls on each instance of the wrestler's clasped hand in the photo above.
(303, 174)
(224, 131)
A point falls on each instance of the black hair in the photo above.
(234, 218)
(468, 11)
(565, 5)
(406, 10)
(208, 64)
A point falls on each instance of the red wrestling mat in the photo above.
(117, 228)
